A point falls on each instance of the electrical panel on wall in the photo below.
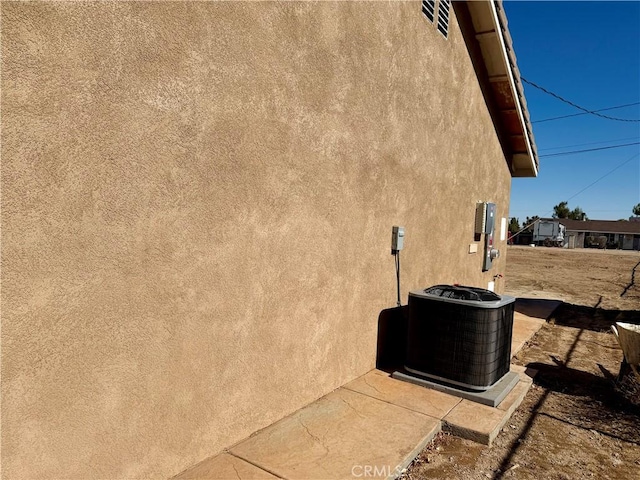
(481, 218)
(485, 224)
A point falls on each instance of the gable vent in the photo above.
(443, 17)
(429, 8)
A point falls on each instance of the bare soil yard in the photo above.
(577, 421)
(589, 277)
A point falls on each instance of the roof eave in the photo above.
(492, 34)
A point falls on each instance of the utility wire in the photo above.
(590, 210)
(397, 259)
(573, 152)
(603, 176)
(590, 143)
(586, 113)
(592, 112)
(578, 193)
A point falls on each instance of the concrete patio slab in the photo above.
(524, 328)
(223, 467)
(342, 435)
(380, 385)
(476, 422)
(514, 398)
(526, 373)
(481, 423)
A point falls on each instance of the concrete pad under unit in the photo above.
(492, 396)
(341, 435)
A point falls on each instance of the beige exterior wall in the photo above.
(197, 202)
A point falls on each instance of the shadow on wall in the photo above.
(392, 338)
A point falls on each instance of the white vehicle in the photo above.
(549, 232)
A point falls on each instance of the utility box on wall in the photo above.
(485, 224)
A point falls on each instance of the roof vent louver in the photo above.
(443, 17)
(428, 9)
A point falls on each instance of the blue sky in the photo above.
(588, 53)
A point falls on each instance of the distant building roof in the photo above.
(599, 226)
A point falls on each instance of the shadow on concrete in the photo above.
(537, 307)
(592, 318)
(392, 338)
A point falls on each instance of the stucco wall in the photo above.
(197, 202)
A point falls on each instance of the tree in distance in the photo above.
(530, 223)
(514, 225)
(636, 210)
(562, 211)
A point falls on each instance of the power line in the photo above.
(573, 152)
(616, 210)
(590, 210)
(580, 191)
(590, 143)
(586, 113)
(603, 176)
(562, 99)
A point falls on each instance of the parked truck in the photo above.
(549, 233)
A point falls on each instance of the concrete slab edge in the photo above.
(411, 456)
(527, 374)
(486, 438)
(395, 404)
(275, 474)
(467, 433)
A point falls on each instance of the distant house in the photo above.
(620, 234)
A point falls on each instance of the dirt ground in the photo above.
(587, 277)
(577, 421)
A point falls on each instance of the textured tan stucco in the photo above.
(197, 202)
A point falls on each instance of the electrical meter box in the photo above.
(490, 223)
(485, 225)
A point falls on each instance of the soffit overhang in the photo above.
(491, 32)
